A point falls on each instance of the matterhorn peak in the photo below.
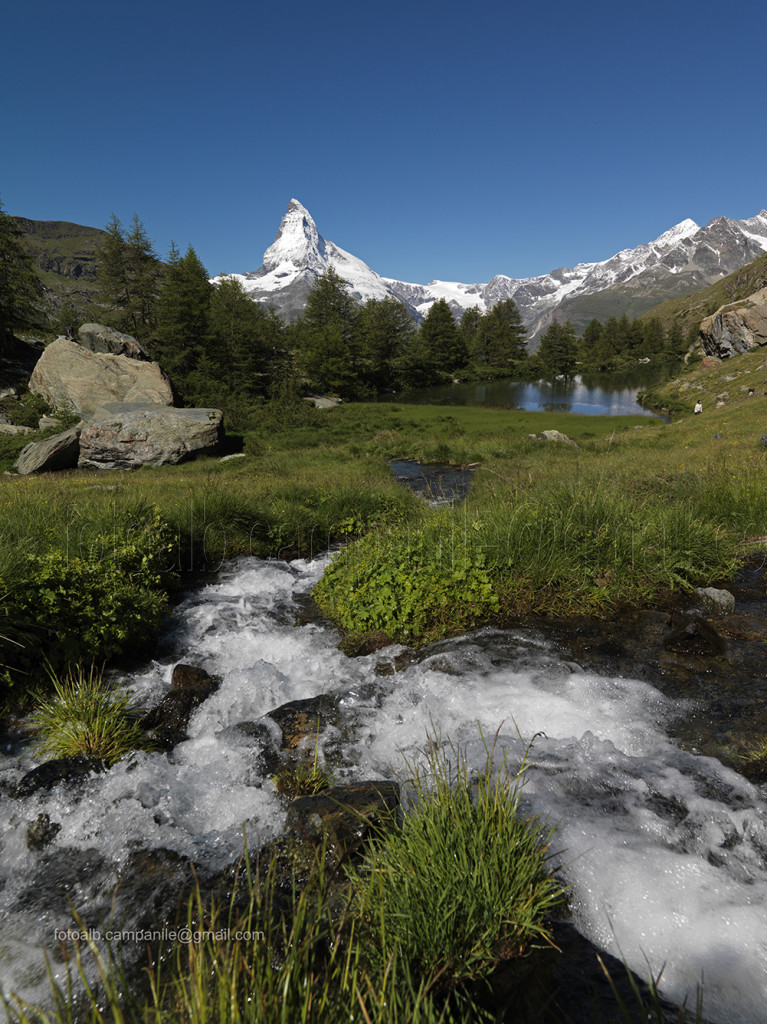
(297, 244)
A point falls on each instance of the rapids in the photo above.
(664, 849)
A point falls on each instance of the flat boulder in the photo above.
(737, 327)
(124, 435)
(70, 378)
(54, 453)
(97, 338)
(556, 435)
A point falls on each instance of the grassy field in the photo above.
(639, 509)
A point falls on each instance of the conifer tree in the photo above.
(385, 330)
(328, 338)
(675, 340)
(246, 338)
(20, 288)
(558, 350)
(443, 341)
(653, 336)
(502, 335)
(128, 276)
(181, 334)
(469, 331)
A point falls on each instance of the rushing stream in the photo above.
(664, 849)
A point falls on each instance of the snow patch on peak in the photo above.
(684, 229)
(298, 243)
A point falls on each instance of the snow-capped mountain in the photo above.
(297, 257)
(680, 261)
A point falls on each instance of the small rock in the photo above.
(168, 720)
(13, 428)
(556, 435)
(45, 422)
(345, 816)
(300, 719)
(716, 602)
(41, 831)
(55, 453)
(187, 677)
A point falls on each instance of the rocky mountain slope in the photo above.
(66, 258)
(681, 261)
(691, 309)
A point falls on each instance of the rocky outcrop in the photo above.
(125, 435)
(58, 452)
(70, 378)
(343, 818)
(97, 338)
(736, 328)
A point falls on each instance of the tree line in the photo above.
(220, 348)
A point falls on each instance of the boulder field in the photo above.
(125, 405)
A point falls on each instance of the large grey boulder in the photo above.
(127, 435)
(97, 338)
(70, 378)
(54, 453)
(737, 327)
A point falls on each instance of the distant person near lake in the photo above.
(698, 407)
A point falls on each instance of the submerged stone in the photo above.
(344, 818)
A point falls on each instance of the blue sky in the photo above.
(431, 140)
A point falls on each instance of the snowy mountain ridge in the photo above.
(681, 260)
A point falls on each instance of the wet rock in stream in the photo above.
(167, 722)
(343, 819)
(63, 769)
(41, 832)
(299, 720)
(694, 636)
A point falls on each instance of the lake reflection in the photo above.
(589, 394)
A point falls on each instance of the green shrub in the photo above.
(91, 605)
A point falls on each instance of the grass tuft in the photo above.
(466, 883)
(86, 716)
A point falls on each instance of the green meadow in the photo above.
(638, 511)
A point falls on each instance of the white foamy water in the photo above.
(664, 850)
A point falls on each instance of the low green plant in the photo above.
(467, 882)
(755, 761)
(90, 600)
(295, 779)
(87, 716)
(412, 585)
